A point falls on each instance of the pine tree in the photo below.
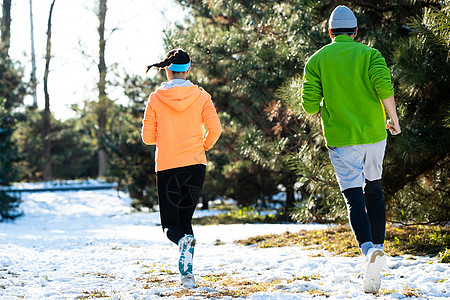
(417, 170)
(11, 95)
(415, 176)
(250, 55)
(310, 160)
(8, 202)
(242, 52)
(131, 162)
(72, 146)
(246, 51)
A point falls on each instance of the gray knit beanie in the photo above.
(342, 17)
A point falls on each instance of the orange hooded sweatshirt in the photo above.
(174, 120)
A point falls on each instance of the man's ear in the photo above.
(356, 32)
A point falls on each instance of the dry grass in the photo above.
(93, 295)
(218, 286)
(409, 292)
(99, 275)
(339, 240)
(406, 291)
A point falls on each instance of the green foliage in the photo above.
(322, 201)
(416, 172)
(424, 199)
(246, 215)
(74, 144)
(232, 174)
(242, 52)
(11, 95)
(434, 25)
(12, 89)
(131, 162)
(415, 179)
(7, 149)
(72, 151)
(9, 206)
(250, 55)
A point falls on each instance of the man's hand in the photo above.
(392, 124)
(394, 127)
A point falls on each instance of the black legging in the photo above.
(178, 192)
(367, 212)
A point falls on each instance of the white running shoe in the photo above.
(374, 261)
(185, 263)
(188, 281)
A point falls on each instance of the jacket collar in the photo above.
(342, 38)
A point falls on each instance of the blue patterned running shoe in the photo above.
(186, 245)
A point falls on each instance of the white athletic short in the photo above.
(353, 164)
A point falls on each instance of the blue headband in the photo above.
(179, 67)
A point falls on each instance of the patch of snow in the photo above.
(72, 243)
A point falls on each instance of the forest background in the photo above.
(249, 55)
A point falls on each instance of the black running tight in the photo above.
(178, 192)
(367, 212)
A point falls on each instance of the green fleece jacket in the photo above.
(346, 82)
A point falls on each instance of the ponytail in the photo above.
(177, 56)
(162, 64)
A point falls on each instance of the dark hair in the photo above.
(176, 56)
(338, 31)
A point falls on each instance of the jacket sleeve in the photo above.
(380, 76)
(212, 124)
(312, 93)
(148, 132)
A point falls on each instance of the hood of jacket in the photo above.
(180, 97)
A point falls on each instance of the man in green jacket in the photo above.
(350, 85)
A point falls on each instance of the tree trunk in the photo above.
(33, 58)
(102, 100)
(47, 172)
(6, 27)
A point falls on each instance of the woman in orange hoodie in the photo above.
(175, 120)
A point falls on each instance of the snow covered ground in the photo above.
(81, 244)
